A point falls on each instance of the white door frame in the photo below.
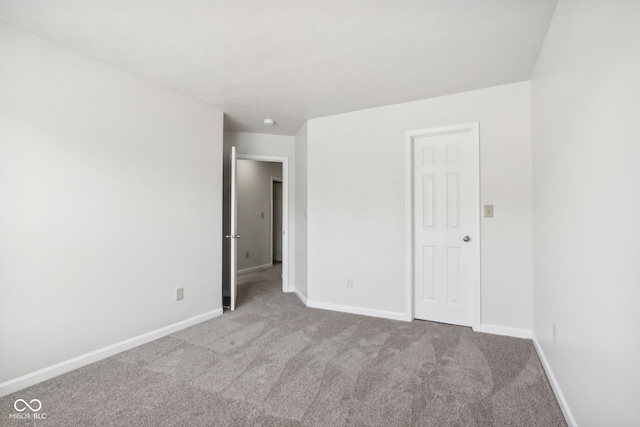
(474, 129)
(273, 179)
(233, 229)
(285, 210)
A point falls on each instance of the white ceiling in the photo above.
(292, 60)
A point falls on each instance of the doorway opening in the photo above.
(261, 220)
(276, 220)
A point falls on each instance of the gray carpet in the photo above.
(274, 362)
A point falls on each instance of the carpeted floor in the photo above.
(274, 362)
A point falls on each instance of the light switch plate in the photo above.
(488, 211)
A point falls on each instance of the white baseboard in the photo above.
(302, 297)
(357, 310)
(568, 416)
(504, 330)
(44, 374)
(256, 268)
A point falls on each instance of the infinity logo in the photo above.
(26, 405)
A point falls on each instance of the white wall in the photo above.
(253, 185)
(356, 202)
(301, 212)
(586, 152)
(263, 145)
(110, 199)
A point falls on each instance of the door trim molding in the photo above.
(285, 209)
(474, 130)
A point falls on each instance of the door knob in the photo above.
(466, 238)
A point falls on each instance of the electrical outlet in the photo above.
(554, 332)
(247, 255)
(261, 214)
(349, 282)
(179, 294)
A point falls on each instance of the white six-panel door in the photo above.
(445, 223)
